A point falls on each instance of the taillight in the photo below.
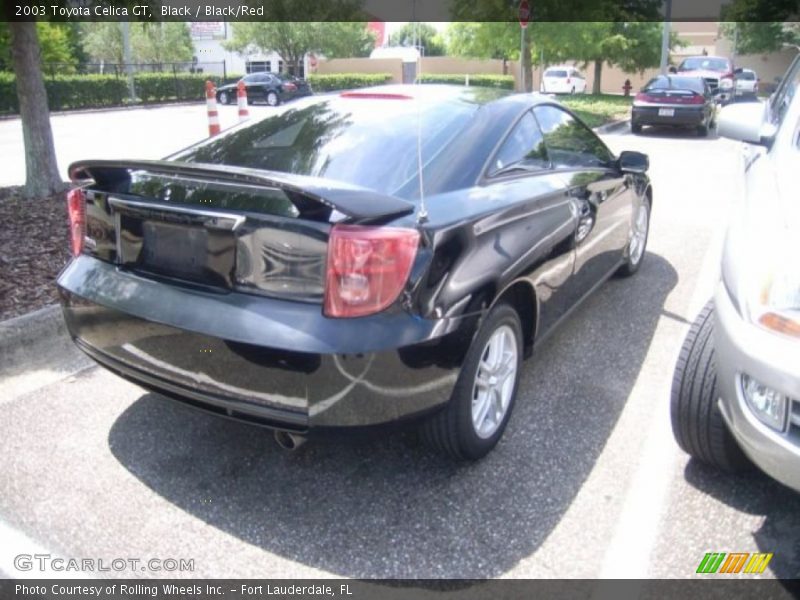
(697, 99)
(567, 79)
(367, 268)
(643, 97)
(76, 208)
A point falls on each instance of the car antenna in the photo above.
(422, 215)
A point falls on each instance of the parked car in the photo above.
(736, 389)
(717, 71)
(363, 258)
(563, 80)
(674, 101)
(746, 84)
(267, 87)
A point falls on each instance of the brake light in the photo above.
(289, 86)
(567, 79)
(697, 99)
(76, 209)
(367, 268)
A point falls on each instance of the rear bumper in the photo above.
(683, 116)
(743, 348)
(274, 363)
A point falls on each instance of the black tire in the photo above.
(636, 128)
(272, 99)
(697, 423)
(223, 98)
(630, 266)
(451, 431)
(702, 130)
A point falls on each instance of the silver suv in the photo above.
(736, 389)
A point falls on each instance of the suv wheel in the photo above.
(697, 423)
(475, 417)
(272, 99)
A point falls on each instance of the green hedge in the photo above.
(346, 81)
(504, 82)
(92, 91)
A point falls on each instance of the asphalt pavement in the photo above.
(586, 483)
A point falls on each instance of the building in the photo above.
(208, 36)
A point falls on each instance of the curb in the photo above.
(612, 127)
(102, 109)
(37, 340)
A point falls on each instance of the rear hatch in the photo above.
(218, 227)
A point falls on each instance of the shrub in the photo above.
(93, 91)
(504, 82)
(8, 93)
(346, 81)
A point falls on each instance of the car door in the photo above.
(538, 230)
(601, 196)
(254, 84)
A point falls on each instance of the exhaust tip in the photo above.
(289, 441)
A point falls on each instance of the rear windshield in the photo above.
(555, 73)
(703, 63)
(748, 75)
(366, 142)
(694, 84)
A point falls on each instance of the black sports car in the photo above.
(266, 87)
(303, 271)
(675, 101)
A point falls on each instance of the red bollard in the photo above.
(211, 107)
(241, 97)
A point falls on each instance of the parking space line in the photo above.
(637, 531)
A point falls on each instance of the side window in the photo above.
(569, 142)
(524, 147)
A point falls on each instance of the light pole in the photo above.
(665, 37)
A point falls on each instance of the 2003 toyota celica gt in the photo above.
(353, 259)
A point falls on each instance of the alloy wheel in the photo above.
(494, 382)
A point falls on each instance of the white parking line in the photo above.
(637, 530)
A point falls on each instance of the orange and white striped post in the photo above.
(241, 97)
(211, 107)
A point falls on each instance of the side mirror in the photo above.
(746, 123)
(633, 162)
(673, 70)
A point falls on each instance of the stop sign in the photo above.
(524, 13)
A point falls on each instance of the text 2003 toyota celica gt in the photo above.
(353, 259)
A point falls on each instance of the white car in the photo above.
(746, 83)
(562, 80)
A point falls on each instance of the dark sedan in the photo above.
(355, 259)
(265, 87)
(675, 101)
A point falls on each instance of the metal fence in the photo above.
(217, 69)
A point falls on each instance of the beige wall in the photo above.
(394, 66)
(450, 65)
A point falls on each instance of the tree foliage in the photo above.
(761, 37)
(425, 36)
(761, 26)
(150, 42)
(632, 46)
(55, 44)
(292, 40)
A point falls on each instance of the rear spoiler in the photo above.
(352, 201)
